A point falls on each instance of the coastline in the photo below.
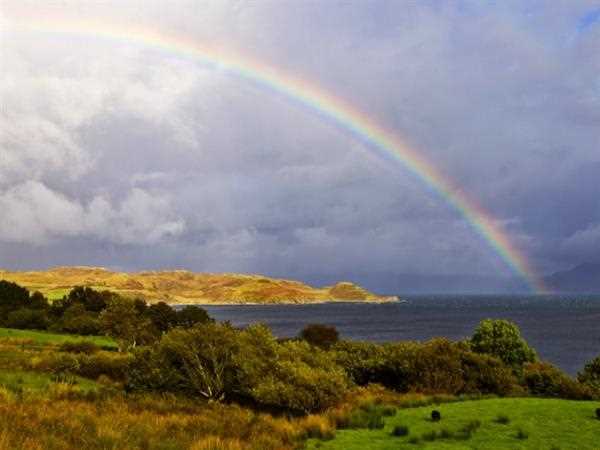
(385, 300)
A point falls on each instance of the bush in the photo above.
(371, 419)
(323, 336)
(522, 434)
(485, 374)
(108, 364)
(545, 380)
(27, 319)
(400, 431)
(590, 375)
(300, 378)
(86, 347)
(502, 419)
(502, 339)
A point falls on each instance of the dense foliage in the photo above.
(502, 339)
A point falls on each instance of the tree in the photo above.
(76, 319)
(38, 301)
(122, 321)
(190, 316)
(205, 356)
(323, 336)
(590, 375)
(502, 339)
(27, 319)
(12, 297)
(162, 316)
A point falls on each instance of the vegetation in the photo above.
(184, 287)
(177, 379)
(533, 424)
(502, 339)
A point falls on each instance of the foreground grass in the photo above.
(532, 424)
(19, 381)
(44, 338)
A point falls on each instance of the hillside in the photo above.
(179, 286)
(583, 278)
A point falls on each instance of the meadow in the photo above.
(494, 424)
(43, 337)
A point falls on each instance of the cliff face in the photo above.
(179, 286)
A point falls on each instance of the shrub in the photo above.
(502, 419)
(317, 427)
(400, 431)
(522, 434)
(86, 347)
(436, 416)
(590, 375)
(300, 378)
(112, 365)
(502, 339)
(546, 380)
(367, 363)
(485, 374)
(323, 336)
(371, 419)
(435, 367)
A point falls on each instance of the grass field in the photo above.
(43, 338)
(532, 424)
(20, 380)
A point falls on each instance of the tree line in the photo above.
(185, 352)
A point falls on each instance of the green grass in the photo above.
(546, 423)
(20, 380)
(44, 338)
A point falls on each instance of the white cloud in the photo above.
(36, 214)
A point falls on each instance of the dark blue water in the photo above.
(563, 330)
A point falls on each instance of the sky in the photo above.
(118, 154)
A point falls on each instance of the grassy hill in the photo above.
(529, 423)
(180, 286)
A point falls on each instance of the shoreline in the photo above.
(391, 299)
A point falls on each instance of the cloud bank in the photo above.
(119, 155)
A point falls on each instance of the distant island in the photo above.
(584, 278)
(184, 287)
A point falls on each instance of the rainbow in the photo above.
(339, 113)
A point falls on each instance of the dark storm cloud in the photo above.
(137, 158)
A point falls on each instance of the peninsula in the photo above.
(184, 287)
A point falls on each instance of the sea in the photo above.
(564, 330)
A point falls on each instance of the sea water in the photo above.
(565, 330)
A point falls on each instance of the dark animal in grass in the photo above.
(598, 413)
(436, 416)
